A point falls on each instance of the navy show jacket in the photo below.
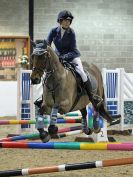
(65, 45)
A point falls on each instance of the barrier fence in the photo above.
(118, 93)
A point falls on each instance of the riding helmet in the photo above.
(65, 14)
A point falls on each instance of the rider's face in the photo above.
(65, 23)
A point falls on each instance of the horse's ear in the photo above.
(33, 43)
(45, 44)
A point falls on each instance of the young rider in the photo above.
(64, 40)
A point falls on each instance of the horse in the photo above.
(60, 88)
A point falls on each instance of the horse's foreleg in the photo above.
(53, 129)
(42, 110)
(44, 136)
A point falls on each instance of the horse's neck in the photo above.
(56, 65)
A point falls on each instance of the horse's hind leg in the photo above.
(96, 122)
(104, 113)
(110, 119)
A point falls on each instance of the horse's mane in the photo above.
(52, 52)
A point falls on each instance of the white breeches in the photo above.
(79, 68)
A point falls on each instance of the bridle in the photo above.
(39, 52)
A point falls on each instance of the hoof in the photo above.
(44, 136)
(88, 131)
(85, 128)
(97, 130)
(53, 130)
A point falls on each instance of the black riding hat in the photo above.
(65, 14)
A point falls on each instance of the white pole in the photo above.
(19, 97)
(121, 97)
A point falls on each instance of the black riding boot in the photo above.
(95, 99)
(38, 103)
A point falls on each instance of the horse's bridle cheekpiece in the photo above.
(39, 50)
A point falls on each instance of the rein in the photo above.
(48, 75)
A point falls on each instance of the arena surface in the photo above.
(27, 158)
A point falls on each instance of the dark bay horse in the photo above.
(60, 88)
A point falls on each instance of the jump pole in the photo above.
(46, 121)
(69, 145)
(37, 136)
(61, 133)
(67, 167)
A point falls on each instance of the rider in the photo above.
(64, 40)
